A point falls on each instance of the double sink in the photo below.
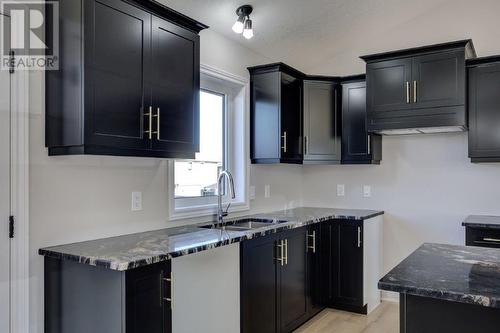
(244, 224)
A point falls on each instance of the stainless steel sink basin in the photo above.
(244, 224)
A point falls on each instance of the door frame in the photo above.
(19, 254)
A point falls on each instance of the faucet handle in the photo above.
(226, 212)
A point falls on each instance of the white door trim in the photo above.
(20, 202)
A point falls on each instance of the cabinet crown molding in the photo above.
(470, 51)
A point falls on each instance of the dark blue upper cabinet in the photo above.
(420, 90)
(484, 109)
(128, 82)
(358, 146)
(275, 114)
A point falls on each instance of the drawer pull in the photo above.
(281, 247)
(171, 298)
(494, 240)
(313, 236)
(284, 141)
(286, 251)
(149, 132)
(408, 92)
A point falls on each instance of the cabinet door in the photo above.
(484, 108)
(147, 309)
(315, 270)
(292, 282)
(389, 84)
(328, 234)
(258, 285)
(291, 118)
(175, 77)
(117, 53)
(321, 122)
(348, 264)
(265, 117)
(355, 138)
(438, 80)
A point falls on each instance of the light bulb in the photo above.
(238, 25)
(248, 31)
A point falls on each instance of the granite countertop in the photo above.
(131, 251)
(482, 221)
(454, 273)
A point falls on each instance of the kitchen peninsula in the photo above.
(447, 288)
(157, 281)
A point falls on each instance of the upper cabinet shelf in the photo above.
(419, 90)
(128, 82)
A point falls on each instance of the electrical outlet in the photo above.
(340, 190)
(267, 191)
(252, 192)
(367, 191)
(136, 201)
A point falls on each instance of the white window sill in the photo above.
(204, 211)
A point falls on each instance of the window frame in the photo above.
(236, 139)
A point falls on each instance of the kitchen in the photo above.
(425, 183)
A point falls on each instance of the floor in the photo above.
(384, 319)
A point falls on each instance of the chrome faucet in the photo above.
(220, 212)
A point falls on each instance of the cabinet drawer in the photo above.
(482, 237)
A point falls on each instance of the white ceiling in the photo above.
(308, 33)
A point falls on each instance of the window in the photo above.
(198, 178)
(223, 146)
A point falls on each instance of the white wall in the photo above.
(77, 198)
(425, 184)
(379, 26)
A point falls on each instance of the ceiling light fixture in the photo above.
(244, 24)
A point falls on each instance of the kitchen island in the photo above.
(447, 288)
(190, 278)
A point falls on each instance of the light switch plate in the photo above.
(267, 191)
(340, 190)
(367, 191)
(136, 201)
(252, 192)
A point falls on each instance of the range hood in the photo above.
(423, 130)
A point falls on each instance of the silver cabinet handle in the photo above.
(496, 240)
(415, 91)
(359, 237)
(313, 236)
(158, 124)
(284, 141)
(171, 298)
(281, 246)
(286, 252)
(407, 92)
(306, 145)
(149, 132)
(369, 144)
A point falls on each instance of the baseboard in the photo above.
(350, 308)
(389, 296)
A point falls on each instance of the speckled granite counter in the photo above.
(454, 273)
(130, 251)
(482, 221)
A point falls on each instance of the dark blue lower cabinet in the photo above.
(81, 298)
(275, 288)
(342, 264)
(426, 314)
